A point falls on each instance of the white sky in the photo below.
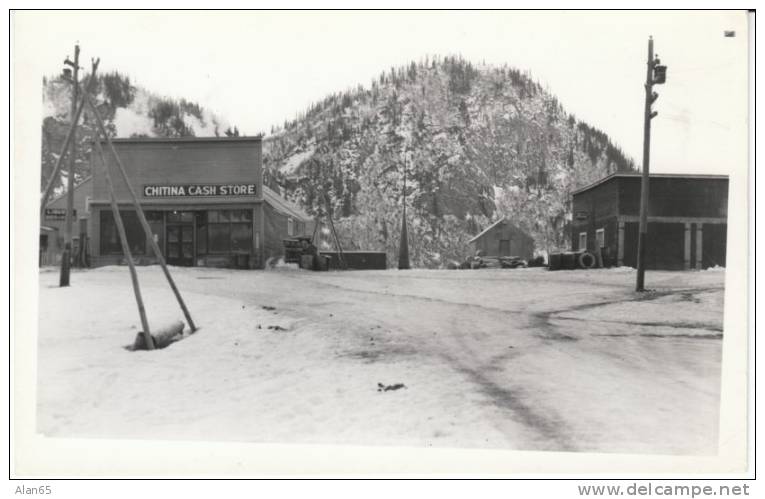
(257, 69)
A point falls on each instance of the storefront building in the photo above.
(203, 198)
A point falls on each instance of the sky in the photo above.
(256, 69)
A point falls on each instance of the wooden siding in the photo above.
(675, 197)
(275, 230)
(181, 163)
(82, 192)
(686, 219)
(713, 245)
(520, 244)
(610, 249)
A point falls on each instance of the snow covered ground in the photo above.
(515, 359)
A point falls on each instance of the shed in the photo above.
(503, 238)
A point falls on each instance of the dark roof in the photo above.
(154, 140)
(652, 175)
(283, 206)
(497, 222)
(487, 229)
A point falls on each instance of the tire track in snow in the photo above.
(544, 428)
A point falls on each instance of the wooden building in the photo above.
(204, 200)
(502, 238)
(687, 220)
(53, 221)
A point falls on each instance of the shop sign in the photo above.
(199, 190)
(580, 215)
(58, 214)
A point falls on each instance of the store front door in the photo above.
(180, 238)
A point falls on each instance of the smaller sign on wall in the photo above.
(580, 215)
(58, 214)
(199, 190)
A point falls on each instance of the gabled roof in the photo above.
(652, 175)
(487, 229)
(283, 206)
(59, 196)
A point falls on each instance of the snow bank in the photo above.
(622, 269)
(716, 268)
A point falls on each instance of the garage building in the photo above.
(687, 220)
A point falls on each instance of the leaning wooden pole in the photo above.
(340, 256)
(126, 250)
(139, 211)
(67, 140)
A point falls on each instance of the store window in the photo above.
(180, 216)
(582, 240)
(110, 239)
(600, 238)
(228, 231)
(201, 221)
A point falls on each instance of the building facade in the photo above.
(53, 221)
(203, 198)
(502, 238)
(687, 220)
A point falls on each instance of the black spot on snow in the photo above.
(387, 388)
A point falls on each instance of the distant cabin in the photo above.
(502, 238)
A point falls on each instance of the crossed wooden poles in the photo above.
(86, 100)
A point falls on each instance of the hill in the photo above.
(127, 110)
(477, 143)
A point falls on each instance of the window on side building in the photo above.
(600, 238)
(290, 226)
(582, 240)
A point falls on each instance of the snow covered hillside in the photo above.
(127, 110)
(514, 359)
(477, 141)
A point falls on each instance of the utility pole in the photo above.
(403, 250)
(656, 74)
(66, 257)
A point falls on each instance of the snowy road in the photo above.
(517, 359)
